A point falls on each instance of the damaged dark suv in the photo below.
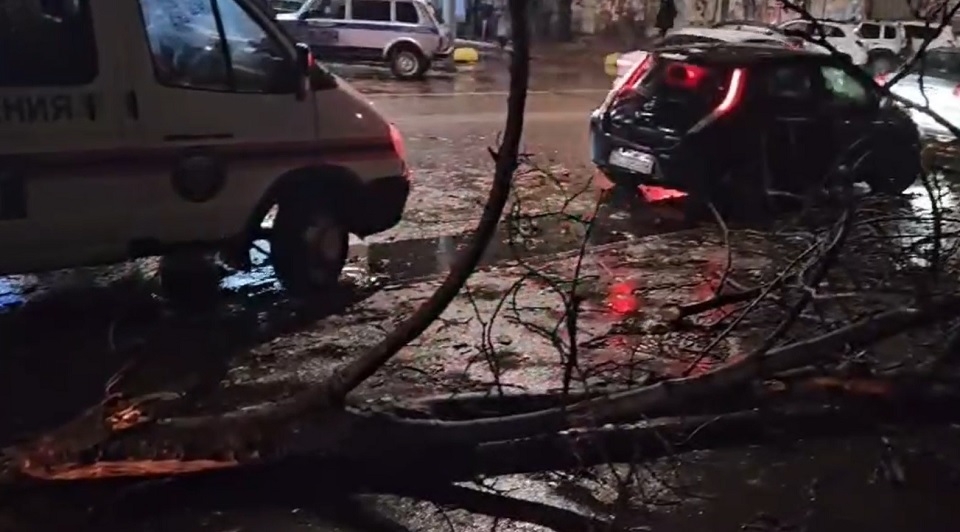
(731, 122)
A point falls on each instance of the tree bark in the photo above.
(564, 20)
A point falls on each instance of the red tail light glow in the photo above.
(734, 92)
(956, 91)
(685, 75)
(400, 148)
(634, 76)
(731, 99)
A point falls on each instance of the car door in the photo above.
(218, 81)
(793, 134)
(854, 110)
(371, 28)
(61, 123)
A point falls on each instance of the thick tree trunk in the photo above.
(564, 20)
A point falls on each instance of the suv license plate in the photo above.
(637, 161)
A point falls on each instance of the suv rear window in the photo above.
(676, 95)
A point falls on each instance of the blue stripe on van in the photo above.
(356, 25)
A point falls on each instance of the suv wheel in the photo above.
(891, 175)
(407, 63)
(308, 245)
(892, 182)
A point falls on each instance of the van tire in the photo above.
(308, 245)
(407, 62)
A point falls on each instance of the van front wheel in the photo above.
(408, 63)
(308, 245)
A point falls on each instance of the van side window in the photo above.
(378, 10)
(257, 60)
(889, 32)
(407, 12)
(869, 31)
(197, 46)
(40, 48)
(334, 9)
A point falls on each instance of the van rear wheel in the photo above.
(408, 63)
(308, 245)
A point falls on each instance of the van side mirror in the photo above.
(304, 58)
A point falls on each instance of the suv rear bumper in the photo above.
(378, 206)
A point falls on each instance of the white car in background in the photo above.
(934, 84)
(694, 35)
(840, 35)
(889, 41)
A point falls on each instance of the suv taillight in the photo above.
(731, 99)
(634, 76)
(628, 81)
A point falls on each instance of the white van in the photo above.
(133, 128)
(404, 34)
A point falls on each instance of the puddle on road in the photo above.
(394, 262)
(410, 259)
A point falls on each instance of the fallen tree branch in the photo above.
(503, 507)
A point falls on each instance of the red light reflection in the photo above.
(621, 298)
(654, 194)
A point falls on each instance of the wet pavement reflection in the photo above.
(257, 344)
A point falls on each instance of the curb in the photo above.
(466, 54)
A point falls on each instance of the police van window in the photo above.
(889, 32)
(335, 9)
(190, 51)
(378, 10)
(52, 45)
(407, 12)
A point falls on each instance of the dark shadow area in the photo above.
(61, 348)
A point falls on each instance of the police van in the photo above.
(133, 128)
(404, 34)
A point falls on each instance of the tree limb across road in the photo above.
(805, 378)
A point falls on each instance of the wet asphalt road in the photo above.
(448, 122)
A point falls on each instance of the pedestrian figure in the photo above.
(503, 29)
(666, 14)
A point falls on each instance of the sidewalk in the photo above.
(584, 49)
